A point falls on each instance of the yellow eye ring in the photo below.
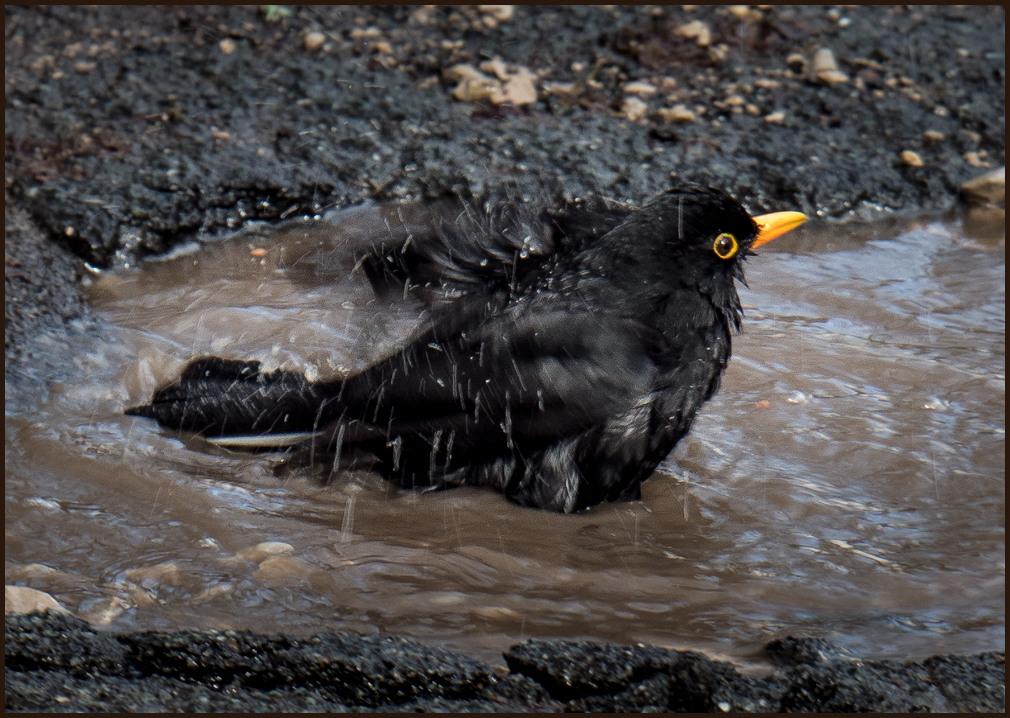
(725, 246)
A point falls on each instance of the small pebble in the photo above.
(263, 550)
(678, 114)
(559, 88)
(314, 41)
(633, 108)
(227, 46)
(911, 159)
(366, 33)
(642, 89)
(775, 118)
(933, 136)
(825, 68)
(520, 89)
(976, 159)
(745, 13)
(21, 599)
(989, 188)
(477, 88)
(696, 30)
(718, 53)
(796, 62)
(105, 611)
(282, 570)
(495, 66)
(501, 13)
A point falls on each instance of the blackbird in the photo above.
(562, 355)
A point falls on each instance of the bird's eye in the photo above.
(725, 246)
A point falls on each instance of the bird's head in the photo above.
(707, 234)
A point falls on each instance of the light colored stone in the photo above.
(797, 62)
(515, 85)
(314, 40)
(696, 30)
(633, 108)
(520, 89)
(678, 114)
(282, 570)
(825, 68)
(976, 159)
(496, 66)
(718, 53)
(227, 46)
(745, 13)
(264, 550)
(911, 159)
(478, 87)
(365, 33)
(989, 188)
(501, 13)
(640, 88)
(461, 71)
(559, 88)
(105, 611)
(21, 599)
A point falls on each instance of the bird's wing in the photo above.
(458, 247)
(534, 377)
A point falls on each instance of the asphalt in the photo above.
(55, 662)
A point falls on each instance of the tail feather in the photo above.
(225, 398)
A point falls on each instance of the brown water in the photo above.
(847, 482)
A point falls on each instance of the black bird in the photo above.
(562, 357)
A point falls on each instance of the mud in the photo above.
(130, 130)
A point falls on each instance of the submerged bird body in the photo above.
(562, 358)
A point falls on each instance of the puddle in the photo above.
(847, 481)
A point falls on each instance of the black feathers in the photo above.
(564, 352)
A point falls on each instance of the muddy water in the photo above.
(848, 480)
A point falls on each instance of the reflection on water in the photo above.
(847, 481)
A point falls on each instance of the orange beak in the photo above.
(775, 225)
